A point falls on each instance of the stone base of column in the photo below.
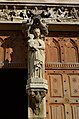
(37, 90)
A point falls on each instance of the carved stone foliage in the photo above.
(12, 50)
(36, 97)
(54, 13)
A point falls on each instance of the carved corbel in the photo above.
(36, 97)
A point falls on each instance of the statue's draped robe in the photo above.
(36, 57)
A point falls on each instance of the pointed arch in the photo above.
(71, 51)
(52, 50)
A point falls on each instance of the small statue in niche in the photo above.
(36, 54)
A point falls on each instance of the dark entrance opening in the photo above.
(13, 98)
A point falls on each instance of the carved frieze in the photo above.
(49, 13)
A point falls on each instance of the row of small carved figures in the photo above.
(49, 12)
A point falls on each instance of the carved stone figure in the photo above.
(62, 13)
(51, 12)
(74, 13)
(36, 99)
(36, 54)
(34, 31)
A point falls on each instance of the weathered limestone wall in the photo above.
(43, 1)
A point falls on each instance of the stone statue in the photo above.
(62, 13)
(35, 31)
(74, 13)
(36, 55)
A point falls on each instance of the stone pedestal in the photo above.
(36, 89)
(36, 83)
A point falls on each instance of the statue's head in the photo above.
(37, 32)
